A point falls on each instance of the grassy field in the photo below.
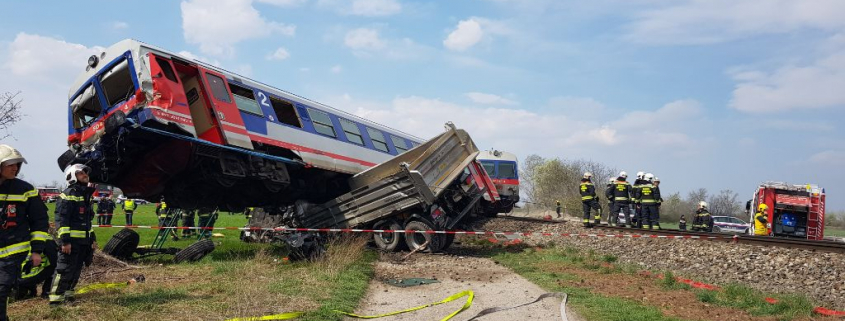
(600, 289)
(236, 280)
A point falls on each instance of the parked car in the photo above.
(728, 224)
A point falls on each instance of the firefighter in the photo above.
(129, 209)
(761, 223)
(206, 221)
(608, 194)
(702, 222)
(557, 208)
(188, 222)
(76, 237)
(32, 275)
(649, 200)
(109, 210)
(23, 223)
(621, 197)
(248, 212)
(589, 200)
(635, 193)
(165, 217)
(101, 211)
(682, 223)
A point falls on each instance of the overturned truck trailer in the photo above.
(434, 186)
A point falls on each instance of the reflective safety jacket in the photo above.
(635, 190)
(129, 205)
(621, 191)
(588, 190)
(23, 219)
(702, 220)
(760, 222)
(161, 210)
(74, 214)
(648, 194)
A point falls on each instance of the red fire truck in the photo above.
(48, 194)
(793, 210)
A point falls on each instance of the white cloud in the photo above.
(41, 68)
(713, 21)
(279, 54)
(489, 99)
(367, 8)
(372, 8)
(363, 39)
(814, 86)
(118, 25)
(217, 25)
(829, 157)
(284, 3)
(466, 34)
(336, 69)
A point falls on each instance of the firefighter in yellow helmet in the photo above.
(23, 223)
(761, 222)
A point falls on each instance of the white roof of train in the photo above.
(496, 155)
(139, 48)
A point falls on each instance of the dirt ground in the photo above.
(493, 285)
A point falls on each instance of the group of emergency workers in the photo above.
(642, 199)
(169, 217)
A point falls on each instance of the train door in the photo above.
(224, 110)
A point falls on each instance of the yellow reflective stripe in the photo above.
(45, 261)
(621, 198)
(72, 198)
(648, 201)
(14, 249)
(97, 286)
(73, 233)
(12, 197)
(39, 236)
(584, 198)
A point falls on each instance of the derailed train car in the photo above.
(155, 123)
(502, 167)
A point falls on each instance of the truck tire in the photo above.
(123, 244)
(194, 252)
(416, 240)
(449, 239)
(392, 242)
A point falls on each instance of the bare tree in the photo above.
(10, 112)
(695, 196)
(726, 203)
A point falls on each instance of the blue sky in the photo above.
(704, 93)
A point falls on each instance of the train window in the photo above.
(378, 139)
(352, 131)
(165, 67)
(245, 99)
(399, 143)
(490, 167)
(117, 83)
(85, 107)
(507, 170)
(218, 88)
(322, 122)
(285, 112)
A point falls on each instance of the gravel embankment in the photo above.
(820, 276)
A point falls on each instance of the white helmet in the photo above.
(612, 180)
(9, 155)
(656, 179)
(623, 174)
(588, 175)
(70, 172)
(649, 177)
(702, 204)
(640, 175)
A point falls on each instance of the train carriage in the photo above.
(156, 123)
(502, 168)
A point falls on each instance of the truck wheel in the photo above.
(123, 244)
(449, 239)
(416, 240)
(194, 252)
(389, 241)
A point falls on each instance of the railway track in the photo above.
(811, 245)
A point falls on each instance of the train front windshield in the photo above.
(111, 87)
(500, 169)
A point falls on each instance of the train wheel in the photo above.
(434, 242)
(389, 241)
(123, 244)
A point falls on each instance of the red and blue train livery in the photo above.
(158, 124)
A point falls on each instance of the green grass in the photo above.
(833, 231)
(590, 305)
(754, 302)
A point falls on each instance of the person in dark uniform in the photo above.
(589, 200)
(702, 222)
(76, 236)
(649, 199)
(110, 206)
(621, 191)
(23, 223)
